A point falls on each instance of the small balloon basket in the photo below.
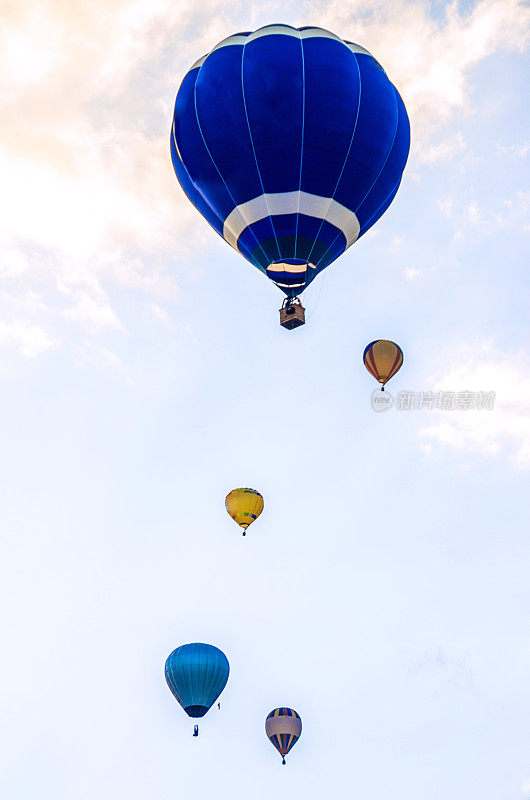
(292, 313)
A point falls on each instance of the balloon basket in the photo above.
(292, 313)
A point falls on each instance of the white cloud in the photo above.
(512, 213)
(517, 150)
(89, 196)
(100, 357)
(95, 312)
(483, 367)
(395, 245)
(446, 206)
(429, 59)
(473, 213)
(516, 211)
(444, 151)
(158, 312)
(29, 340)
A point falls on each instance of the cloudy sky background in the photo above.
(384, 592)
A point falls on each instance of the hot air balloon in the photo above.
(283, 726)
(244, 506)
(291, 143)
(383, 359)
(197, 674)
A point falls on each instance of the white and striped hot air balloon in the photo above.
(283, 726)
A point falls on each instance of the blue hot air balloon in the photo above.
(197, 674)
(291, 143)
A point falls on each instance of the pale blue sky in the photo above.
(384, 592)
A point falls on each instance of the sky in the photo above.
(384, 592)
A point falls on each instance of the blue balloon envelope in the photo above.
(197, 674)
(291, 143)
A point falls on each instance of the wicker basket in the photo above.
(292, 315)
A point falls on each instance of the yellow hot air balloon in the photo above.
(244, 506)
(383, 359)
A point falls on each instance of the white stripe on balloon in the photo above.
(271, 205)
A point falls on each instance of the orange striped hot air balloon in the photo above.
(383, 359)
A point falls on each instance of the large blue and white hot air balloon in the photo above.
(291, 143)
(197, 673)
